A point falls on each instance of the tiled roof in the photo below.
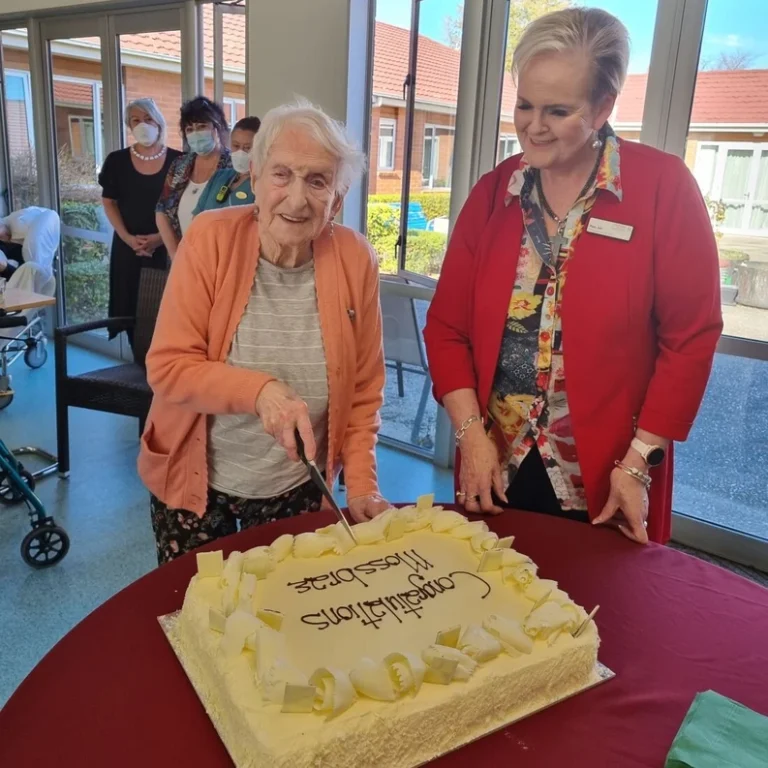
(724, 97)
(730, 97)
(72, 94)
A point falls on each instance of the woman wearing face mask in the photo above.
(232, 186)
(578, 310)
(132, 180)
(204, 130)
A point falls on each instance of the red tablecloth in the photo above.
(112, 693)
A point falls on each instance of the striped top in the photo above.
(279, 334)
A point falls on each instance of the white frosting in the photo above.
(360, 643)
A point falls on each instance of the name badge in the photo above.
(610, 229)
(241, 195)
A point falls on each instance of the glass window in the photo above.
(508, 146)
(386, 144)
(627, 117)
(139, 80)
(19, 116)
(719, 473)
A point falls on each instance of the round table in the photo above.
(111, 693)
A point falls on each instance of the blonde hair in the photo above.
(329, 133)
(150, 107)
(599, 35)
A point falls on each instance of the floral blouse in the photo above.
(529, 405)
(176, 182)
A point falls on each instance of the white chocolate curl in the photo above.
(268, 645)
(372, 531)
(483, 542)
(446, 519)
(260, 561)
(550, 618)
(313, 545)
(521, 575)
(407, 671)
(238, 626)
(282, 546)
(334, 691)
(434, 657)
(232, 569)
(511, 557)
(509, 633)
(478, 644)
(416, 519)
(372, 679)
(468, 530)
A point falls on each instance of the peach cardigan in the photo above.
(207, 292)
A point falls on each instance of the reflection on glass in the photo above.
(78, 131)
(720, 471)
(409, 413)
(18, 109)
(729, 158)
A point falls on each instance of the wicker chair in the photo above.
(120, 389)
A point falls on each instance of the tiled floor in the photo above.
(103, 507)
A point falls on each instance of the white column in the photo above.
(319, 50)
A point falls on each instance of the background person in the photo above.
(232, 186)
(132, 180)
(205, 131)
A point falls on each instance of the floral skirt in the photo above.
(178, 531)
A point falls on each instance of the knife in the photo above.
(319, 481)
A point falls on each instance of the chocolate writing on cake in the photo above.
(400, 606)
(410, 559)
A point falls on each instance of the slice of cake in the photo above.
(427, 633)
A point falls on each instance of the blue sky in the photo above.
(724, 31)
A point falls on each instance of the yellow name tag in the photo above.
(610, 229)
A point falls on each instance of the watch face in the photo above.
(655, 457)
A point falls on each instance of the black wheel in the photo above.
(36, 355)
(45, 546)
(9, 493)
(6, 400)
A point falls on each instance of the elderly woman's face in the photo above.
(554, 117)
(295, 191)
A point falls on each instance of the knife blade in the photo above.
(319, 481)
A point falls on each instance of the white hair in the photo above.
(598, 34)
(329, 133)
(150, 107)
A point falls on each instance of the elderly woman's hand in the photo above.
(367, 507)
(480, 472)
(282, 412)
(628, 498)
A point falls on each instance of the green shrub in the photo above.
(732, 255)
(425, 252)
(86, 290)
(81, 215)
(434, 204)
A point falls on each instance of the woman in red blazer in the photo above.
(578, 310)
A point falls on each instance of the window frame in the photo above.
(28, 110)
(388, 122)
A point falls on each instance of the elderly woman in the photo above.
(270, 323)
(232, 186)
(204, 130)
(575, 321)
(132, 180)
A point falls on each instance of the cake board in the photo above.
(168, 623)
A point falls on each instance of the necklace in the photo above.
(148, 157)
(557, 241)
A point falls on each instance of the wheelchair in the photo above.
(47, 543)
(29, 342)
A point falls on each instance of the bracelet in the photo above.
(465, 425)
(636, 473)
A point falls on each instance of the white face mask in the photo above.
(145, 133)
(241, 161)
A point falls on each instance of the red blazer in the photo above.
(641, 319)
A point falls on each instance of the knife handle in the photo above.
(300, 446)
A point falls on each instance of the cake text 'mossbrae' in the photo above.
(401, 605)
(409, 558)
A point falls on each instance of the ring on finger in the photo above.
(460, 494)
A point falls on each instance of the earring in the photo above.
(256, 212)
(333, 224)
(596, 143)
